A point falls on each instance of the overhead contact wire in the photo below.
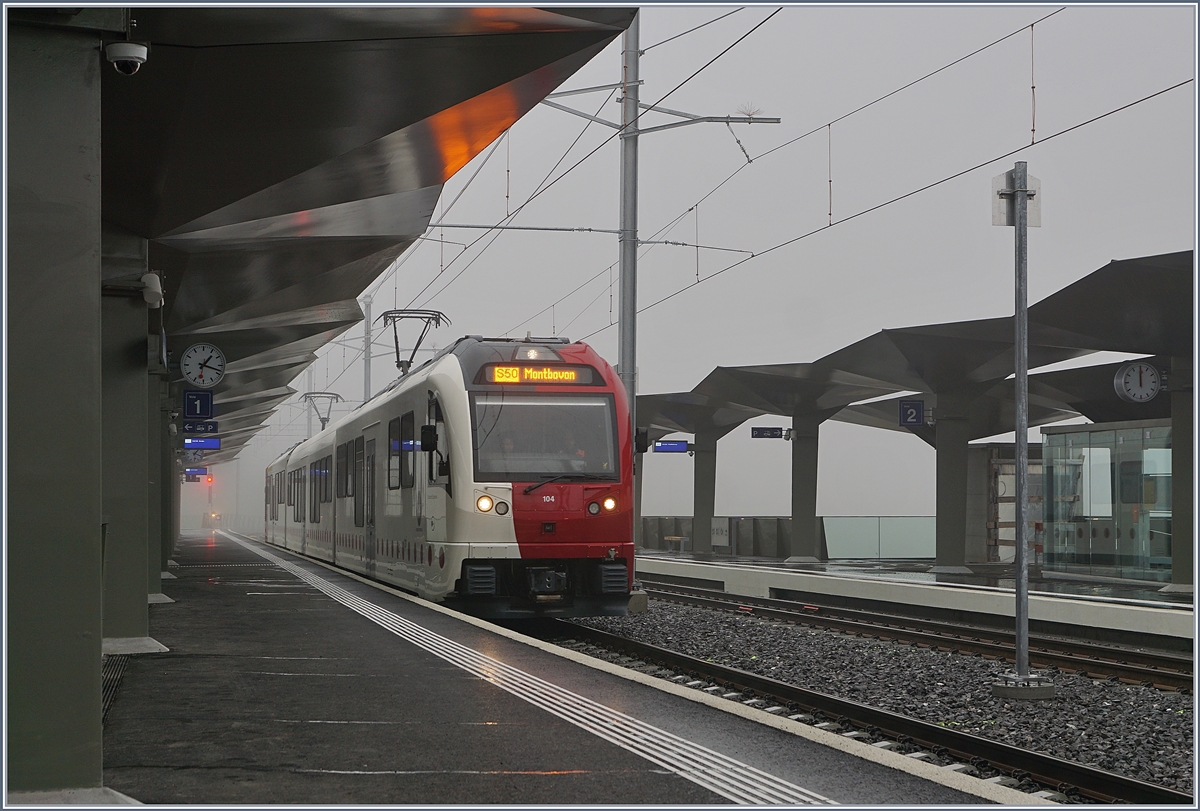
(903, 197)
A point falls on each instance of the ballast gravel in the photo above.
(1135, 731)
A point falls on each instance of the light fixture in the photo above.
(483, 503)
(593, 508)
(501, 508)
(610, 503)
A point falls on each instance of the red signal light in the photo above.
(210, 479)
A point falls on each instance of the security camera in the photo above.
(126, 57)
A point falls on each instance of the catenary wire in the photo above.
(690, 30)
(801, 137)
(549, 185)
(507, 218)
(903, 197)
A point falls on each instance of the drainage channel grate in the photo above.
(111, 672)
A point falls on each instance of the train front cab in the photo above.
(549, 445)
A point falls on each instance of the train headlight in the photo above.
(610, 504)
(501, 508)
(483, 503)
(593, 508)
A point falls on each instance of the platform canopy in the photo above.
(688, 412)
(804, 390)
(272, 162)
(1141, 305)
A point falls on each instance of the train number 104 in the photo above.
(548, 499)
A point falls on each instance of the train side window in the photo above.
(327, 476)
(359, 503)
(408, 449)
(439, 460)
(291, 496)
(393, 454)
(299, 512)
(342, 472)
(314, 477)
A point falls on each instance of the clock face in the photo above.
(1137, 382)
(202, 365)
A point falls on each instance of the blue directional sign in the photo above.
(202, 443)
(766, 433)
(199, 427)
(912, 413)
(197, 405)
(196, 471)
(670, 446)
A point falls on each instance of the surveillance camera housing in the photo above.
(126, 57)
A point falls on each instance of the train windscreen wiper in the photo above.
(584, 476)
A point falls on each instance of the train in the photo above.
(496, 478)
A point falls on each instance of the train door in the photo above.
(437, 468)
(369, 509)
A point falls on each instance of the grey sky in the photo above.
(1120, 187)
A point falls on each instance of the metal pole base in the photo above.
(1023, 688)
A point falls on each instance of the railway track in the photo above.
(1037, 773)
(1162, 670)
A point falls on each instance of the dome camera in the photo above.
(126, 57)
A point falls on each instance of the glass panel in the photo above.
(1156, 501)
(852, 537)
(907, 536)
(1067, 547)
(518, 438)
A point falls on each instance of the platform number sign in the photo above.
(912, 413)
(197, 405)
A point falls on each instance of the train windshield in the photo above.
(524, 438)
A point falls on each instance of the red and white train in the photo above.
(497, 477)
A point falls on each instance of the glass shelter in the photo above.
(1108, 499)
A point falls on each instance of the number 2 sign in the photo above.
(912, 413)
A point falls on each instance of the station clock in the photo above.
(203, 365)
(1137, 382)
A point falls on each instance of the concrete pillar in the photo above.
(155, 391)
(704, 493)
(54, 493)
(804, 541)
(166, 499)
(126, 619)
(951, 435)
(1183, 516)
(175, 487)
(638, 541)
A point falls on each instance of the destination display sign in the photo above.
(204, 443)
(670, 446)
(196, 471)
(539, 375)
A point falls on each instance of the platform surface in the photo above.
(289, 683)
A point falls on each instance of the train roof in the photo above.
(473, 351)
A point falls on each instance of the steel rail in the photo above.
(1064, 775)
(1140, 667)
